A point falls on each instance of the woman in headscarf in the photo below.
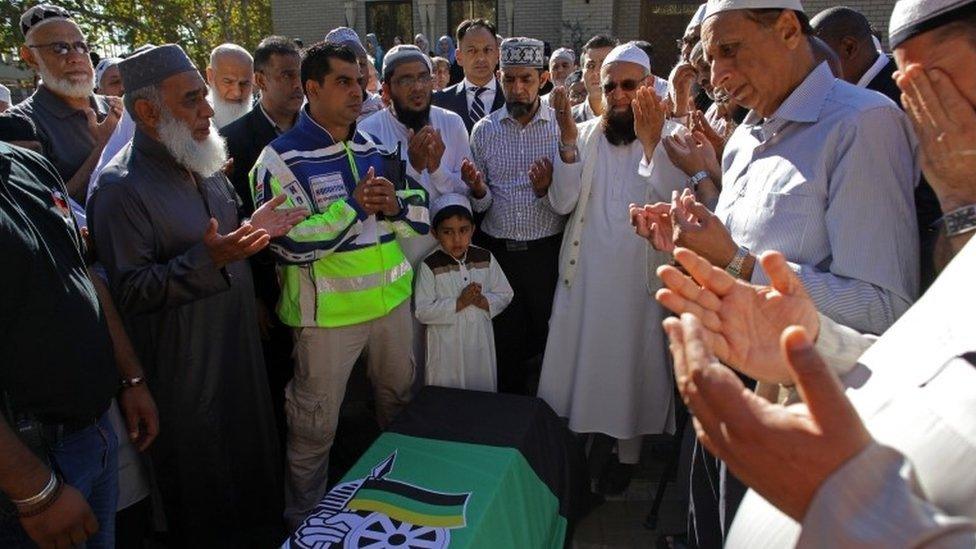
(374, 48)
(421, 42)
(447, 50)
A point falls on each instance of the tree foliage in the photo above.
(122, 25)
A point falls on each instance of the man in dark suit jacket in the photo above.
(478, 94)
(848, 33)
(277, 75)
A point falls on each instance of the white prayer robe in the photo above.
(460, 344)
(606, 366)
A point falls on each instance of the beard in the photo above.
(202, 157)
(64, 86)
(618, 126)
(519, 109)
(414, 120)
(226, 112)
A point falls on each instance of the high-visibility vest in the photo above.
(340, 266)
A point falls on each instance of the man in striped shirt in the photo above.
(513, 150)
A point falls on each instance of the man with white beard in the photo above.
(72, 123)
(164, 222)
(231, 80)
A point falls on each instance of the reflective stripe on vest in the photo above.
(359, 283)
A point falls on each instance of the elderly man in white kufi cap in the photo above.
(604, 292)
(814, 155)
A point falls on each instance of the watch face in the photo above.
(960, 220)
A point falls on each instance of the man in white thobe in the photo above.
(605, 366)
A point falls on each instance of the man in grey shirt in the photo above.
(72, 123)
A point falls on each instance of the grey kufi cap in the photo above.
(523, 52)
(913, 17)
(40, 14)
(403, 54)
(152, 66)
(346, 37)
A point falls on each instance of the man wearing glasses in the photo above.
(432, 140)
(72, 123)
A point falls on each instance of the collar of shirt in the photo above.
(271, 121)
(56, 106)
(880, 63)
(492, 86)
(309, 126)
(804, 104)
(542, 113)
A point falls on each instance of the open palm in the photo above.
(742, 321)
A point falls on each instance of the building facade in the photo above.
(560, 22)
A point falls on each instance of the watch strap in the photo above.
(961, 220)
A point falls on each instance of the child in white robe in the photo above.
(459, 289)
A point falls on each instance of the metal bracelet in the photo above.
(39, 497)
(130, 382)
(961, 220)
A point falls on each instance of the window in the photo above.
(459, 10)
(389, 19)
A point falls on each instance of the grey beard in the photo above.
(201, 157)
(226, 112)
(63, 86)
(619, 128)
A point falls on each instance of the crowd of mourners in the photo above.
(773, 231)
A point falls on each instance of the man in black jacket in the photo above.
(277, 76)
(478, 94)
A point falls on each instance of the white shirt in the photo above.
(120, 137)
(487, 96)
(879, 63)
(917, 397)
(388, 133)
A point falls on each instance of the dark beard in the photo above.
(414, 120)
(619, 127)
(518, 109)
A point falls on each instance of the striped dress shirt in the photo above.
(829, 180)
(503, 151)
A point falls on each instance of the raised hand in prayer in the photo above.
(418, 147)
(700, 125)
(945, 123)
(692, 153)
(277, 221)
(697, 228)
(783, 453)
(435, 151)
(564, 116)
(649, 114)
(382, 194)
(682, 76)
(540, 175)
(101, 131)
(741, 322)
(361, 193)
(653, 223)
(235, 246)
(473, 178)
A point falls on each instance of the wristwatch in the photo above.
(734, 267)
(694, 180)
(961, 220)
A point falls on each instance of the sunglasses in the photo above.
(625, 85)
(62, 48)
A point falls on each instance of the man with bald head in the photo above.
(72, 123)
(230, 76)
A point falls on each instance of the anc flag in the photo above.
(406, 503)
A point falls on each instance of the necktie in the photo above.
(477, 111)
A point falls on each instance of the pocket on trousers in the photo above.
(307, 413)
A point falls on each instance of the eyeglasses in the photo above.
(62, 48)
(411, 81)
(625, 85)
